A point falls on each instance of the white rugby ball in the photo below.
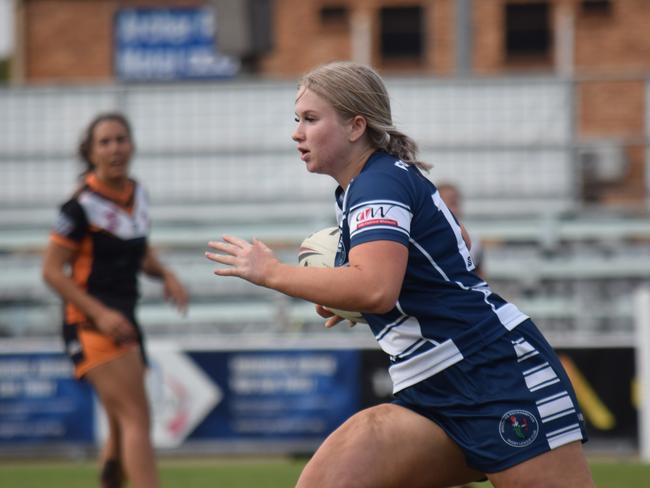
(319, 250)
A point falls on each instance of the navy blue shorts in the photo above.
(507, 403)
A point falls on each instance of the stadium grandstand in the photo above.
(219, 159)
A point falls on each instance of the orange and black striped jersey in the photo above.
(108, 232)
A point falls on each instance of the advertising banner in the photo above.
(263, 397)
(161, 44)
(40, 401)
(251, 396)
(280, 394)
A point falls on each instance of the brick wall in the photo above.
(614, 42)
(302, 41)
(71, 40)
(614, 110)
(488, 23)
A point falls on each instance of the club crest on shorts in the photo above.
(518, 428)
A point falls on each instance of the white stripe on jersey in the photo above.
(412, 348)
(400, 335)
(509, 315)
(460, 242)
(430, 259)
(424, 365)
(383, 227)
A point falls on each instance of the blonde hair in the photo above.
(355, 89)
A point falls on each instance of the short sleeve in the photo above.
(70, 226)
(380, 207)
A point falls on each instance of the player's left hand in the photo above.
(251, 261)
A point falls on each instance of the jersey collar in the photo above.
(339, 193)
(123, 197)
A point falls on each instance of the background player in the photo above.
(101, 238)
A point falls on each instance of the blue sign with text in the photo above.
(157, 44)
(259, 397)
(293, 394)
(41, 402)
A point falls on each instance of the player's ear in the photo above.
(358, 126)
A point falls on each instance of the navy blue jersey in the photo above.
(445, 312)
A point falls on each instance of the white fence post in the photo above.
(642, 324)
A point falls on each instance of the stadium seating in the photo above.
(218, 158)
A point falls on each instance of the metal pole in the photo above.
(642, 324)
(463, 37)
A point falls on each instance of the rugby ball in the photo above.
(319, 250)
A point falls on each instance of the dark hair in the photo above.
(355, 89)
(86, 143)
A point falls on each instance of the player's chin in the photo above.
(121, 171)
(313, 166)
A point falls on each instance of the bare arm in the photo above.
(105, 319)
(173, 289)
(364, 285)
(466, 237)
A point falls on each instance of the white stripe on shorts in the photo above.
(563, 436)
(555, 406)
(540, 377)
(524, 350)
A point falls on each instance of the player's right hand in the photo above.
(115, 325)
(251, 261)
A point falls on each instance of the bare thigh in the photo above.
(387, 446)
(120, 386)
(563, 467)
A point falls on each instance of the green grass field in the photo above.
(245, 473)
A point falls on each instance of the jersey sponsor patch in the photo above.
(379, 214)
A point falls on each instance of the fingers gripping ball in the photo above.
(319, 251)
